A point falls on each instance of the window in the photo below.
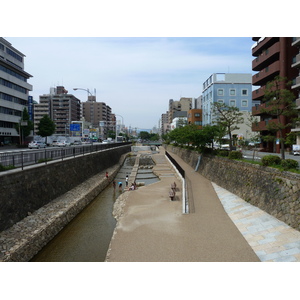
(232, 102)
(197, 115)
(220, 101)
(232, 92)
(244, 92)
(244, 103)
(220, 92)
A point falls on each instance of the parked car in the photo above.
(77, 143)
(36, 144)
(63, 144)
(54, 143)
(105, 142)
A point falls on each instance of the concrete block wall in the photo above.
(23, 192)
(276, 192)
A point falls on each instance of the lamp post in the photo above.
(87, 90)
(121, 125)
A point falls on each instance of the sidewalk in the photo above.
(153, 228)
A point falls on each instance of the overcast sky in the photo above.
(135, 76)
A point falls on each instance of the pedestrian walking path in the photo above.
(271, 239)
(221, 226)
(153, 228)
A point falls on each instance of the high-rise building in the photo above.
(61, 107)
(273, 57)
(179, 108)
(99, 114)
(164, 124)
(232, 89)
(14, 91)
(296, 84)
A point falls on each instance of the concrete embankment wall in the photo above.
(26, 238)
(23, 192)
(276, 192)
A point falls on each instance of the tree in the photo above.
(281, 107)
(46, 127)
(227, 117)
(25, 129)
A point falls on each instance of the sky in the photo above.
(136, 55)
(135, 76)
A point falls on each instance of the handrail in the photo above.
(21, 158)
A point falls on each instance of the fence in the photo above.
(20, 159)
(185, 200)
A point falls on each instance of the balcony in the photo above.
(296, 83)
(263, 44)
(266, 57)
(262, 125)
(296, 41)
(267, 74)
(296, 61)
(258, 93)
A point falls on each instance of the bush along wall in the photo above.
(274, 191)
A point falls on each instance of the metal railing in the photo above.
(22, 158)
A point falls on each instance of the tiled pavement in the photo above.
(272, 240)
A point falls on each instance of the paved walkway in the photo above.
(221, 227)
(153, 228)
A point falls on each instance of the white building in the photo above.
(14, 91)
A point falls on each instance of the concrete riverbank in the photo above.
(26, 238)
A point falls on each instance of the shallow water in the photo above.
(87, 237)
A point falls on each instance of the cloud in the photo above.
(135, 76)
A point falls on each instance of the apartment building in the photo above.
(296, 84)
(164, 124)
(179, 108)
(14, 91)
(98, 114)
(195, 117)
(62, 108)
(232, 89)
(273, 56)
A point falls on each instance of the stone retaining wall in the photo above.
(26, 238)
(276, 192)
(23, 192)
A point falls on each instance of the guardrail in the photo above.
(181, 173)
(22, 158)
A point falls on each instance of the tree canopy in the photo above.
(280, 105)
(25, 129)
(46, 127)
(227, 117)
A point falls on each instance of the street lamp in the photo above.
(121, 125)
(87, 90)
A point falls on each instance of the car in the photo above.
(77, 143)
(105, 142)
(36, 144)
(63, 144)
(54, 143)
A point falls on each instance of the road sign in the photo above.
(75, 127)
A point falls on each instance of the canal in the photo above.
(87, 237)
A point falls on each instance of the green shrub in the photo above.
(270, 160)
(235, 155)
(288, 164)
(4, 168)
(223, 152)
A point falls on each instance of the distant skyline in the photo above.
(135, 76)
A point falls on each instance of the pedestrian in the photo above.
(114, 184)
(120, 186)
(126, 180)
(106, 174)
